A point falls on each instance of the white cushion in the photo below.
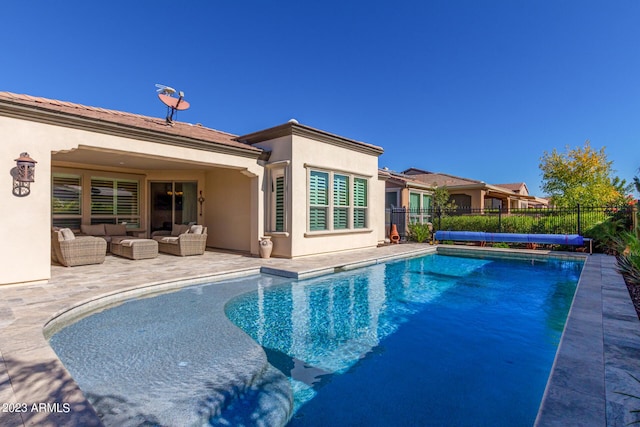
(172, 240)
(67, 234)
(196, 229)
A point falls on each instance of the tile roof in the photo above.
(440, 179)
(400, 178)
(513, 186)
(180, 129)
(516, 187)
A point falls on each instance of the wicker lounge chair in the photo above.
(69, 250)
(191, 242)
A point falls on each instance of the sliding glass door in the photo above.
(173, 202)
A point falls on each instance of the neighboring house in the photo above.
(477, 195)
(403, 191)
(312, 191)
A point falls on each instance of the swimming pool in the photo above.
(436, 340)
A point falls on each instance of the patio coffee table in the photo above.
(135, 248)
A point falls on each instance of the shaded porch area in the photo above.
(148, 193)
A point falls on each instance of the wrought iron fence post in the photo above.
(500, 220)
(634, 218)
(579, 225)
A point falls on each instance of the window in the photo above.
(419, 207)
(115, 201)
(173, 202)
(360, 203)
(337, 201)
(391, 199)
(276, 198)
(78, 198)
(279, 204)
(318, 200)
(66, 200)
(340, 202)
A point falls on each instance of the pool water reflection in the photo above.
(437, 340)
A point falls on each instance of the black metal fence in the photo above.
(575, 220)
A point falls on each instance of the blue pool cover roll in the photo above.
(479, 236)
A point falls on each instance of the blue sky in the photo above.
(479, 89)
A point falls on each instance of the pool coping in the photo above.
(597, 353)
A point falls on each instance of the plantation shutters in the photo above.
(114, 201)
(414, 201)
(318, 200)
(340, 202)
(360, 203)
(415, 207)
(279, 204)
(337, 201)
(426, 202)
(66, 200)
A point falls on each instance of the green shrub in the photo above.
(500, 245)
(628, 248)
(604, 235)
(419, 232)
(556, 223)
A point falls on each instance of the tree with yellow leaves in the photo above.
(581, 175)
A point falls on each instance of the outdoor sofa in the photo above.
(182, 240)
(108, 232)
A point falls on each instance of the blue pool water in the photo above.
(436, 340)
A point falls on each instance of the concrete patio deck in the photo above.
(599, 349)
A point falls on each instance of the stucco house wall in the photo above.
(309, 149)
(230, 211)
(25, 249)
(57, 146)
(232, 176)
(309, 154)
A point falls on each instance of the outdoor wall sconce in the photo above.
(23, 175)
(201, 201)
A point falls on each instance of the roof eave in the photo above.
(59, 118)
(289, 129)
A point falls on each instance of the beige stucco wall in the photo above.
(315, 154)
(281, 151)
(230, 210)
(233, 186)
(26, 223)
(477, 197)
(25, 226)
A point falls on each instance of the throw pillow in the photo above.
(67, 234)
(179, 229)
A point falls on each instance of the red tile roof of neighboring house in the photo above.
(512, 186)
(515, 187)
(439, 179)
(415, 171)
(400, 178)
(181, 129)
